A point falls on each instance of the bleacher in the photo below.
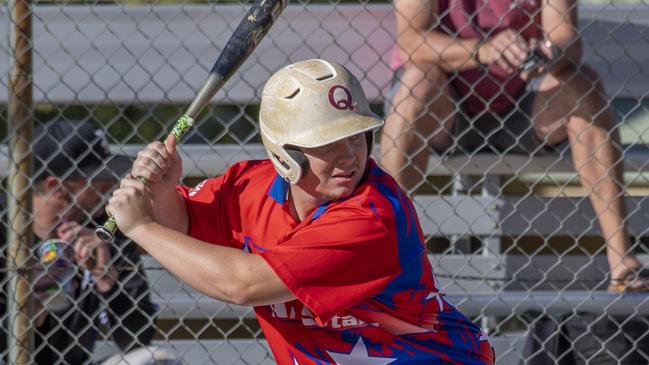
(88, 54)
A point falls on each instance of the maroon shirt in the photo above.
(492, 88)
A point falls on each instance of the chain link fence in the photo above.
(513, 236)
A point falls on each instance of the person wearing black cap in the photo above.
(73, 170)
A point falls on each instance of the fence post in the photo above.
(20, 238)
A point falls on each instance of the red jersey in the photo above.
(366, 293)
(493, 88)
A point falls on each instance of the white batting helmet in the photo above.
(311, 104)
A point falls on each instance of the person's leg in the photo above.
(573, 105)
(420, 117)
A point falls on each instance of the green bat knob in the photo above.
(106, 232)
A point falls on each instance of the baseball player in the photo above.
(317, 238)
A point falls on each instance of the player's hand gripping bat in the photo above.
(250, 31)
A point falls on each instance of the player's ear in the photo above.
(52, 186)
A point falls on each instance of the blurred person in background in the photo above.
(506, 77)
(82, 284)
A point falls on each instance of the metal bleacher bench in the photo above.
(87, 54)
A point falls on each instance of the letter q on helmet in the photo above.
(310, 104)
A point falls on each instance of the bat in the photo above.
(248, 34)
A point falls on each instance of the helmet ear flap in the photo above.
(369, 138)
(298, 156)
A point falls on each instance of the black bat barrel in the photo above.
(250, 31)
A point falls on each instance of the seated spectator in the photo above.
(514, 71)
(81, 283)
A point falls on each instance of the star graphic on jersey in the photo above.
(359, 356)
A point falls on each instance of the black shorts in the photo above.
(508, 132)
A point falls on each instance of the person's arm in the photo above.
(119, 278)
(90, 253)
(170, 211)
(421, 46)
(223, 273)
(559, 22)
